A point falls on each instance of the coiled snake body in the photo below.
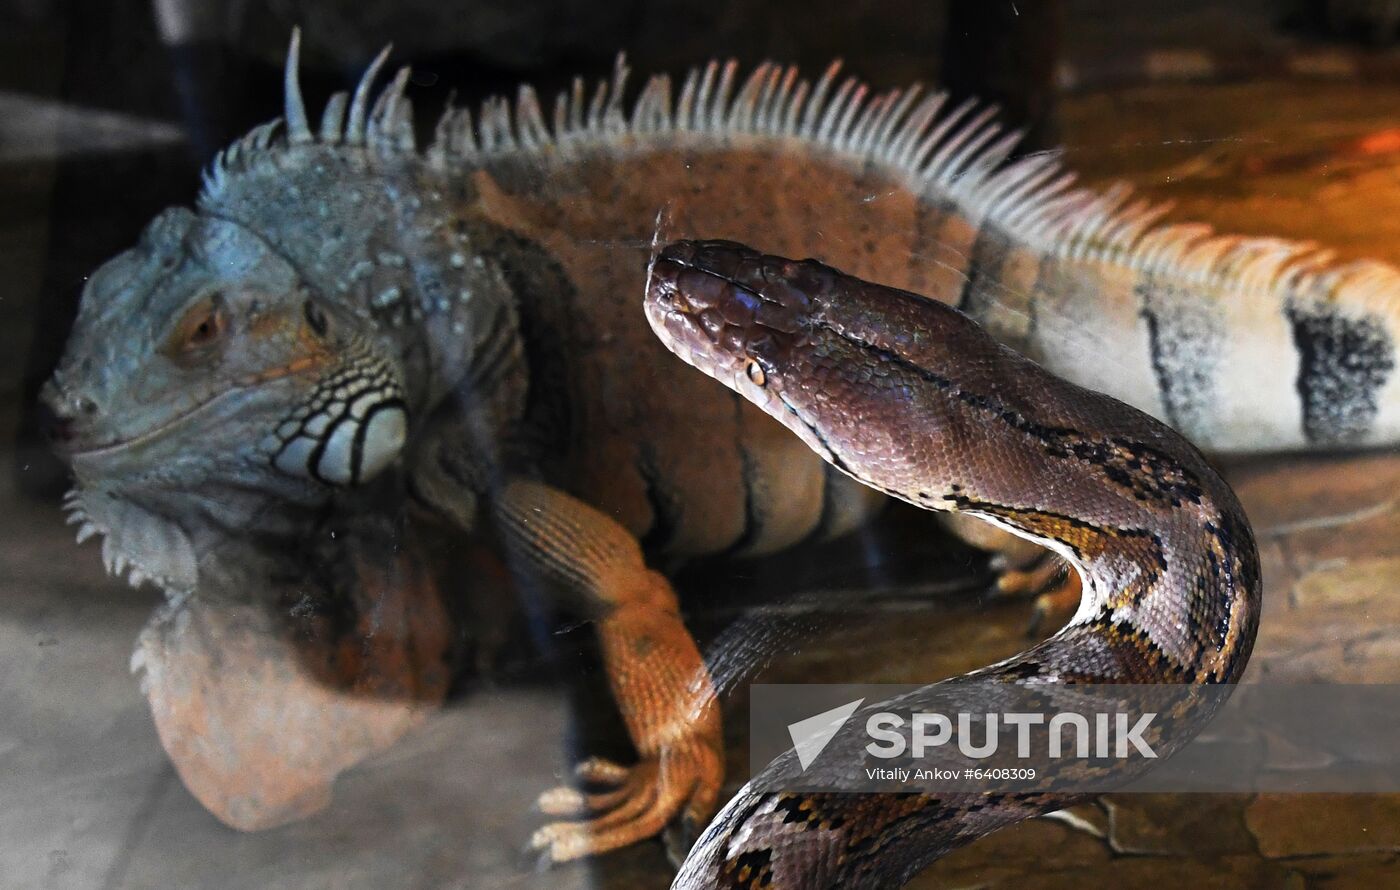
(911, 397)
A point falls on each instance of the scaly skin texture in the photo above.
(350, 326)
(260, 717)
(912, 398)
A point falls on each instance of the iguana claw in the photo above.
(633, 803)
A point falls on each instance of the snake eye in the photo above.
(315, 318)
(755, 372)
(202, 327)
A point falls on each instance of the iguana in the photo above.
(457, 326)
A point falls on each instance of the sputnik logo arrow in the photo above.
(810, 736)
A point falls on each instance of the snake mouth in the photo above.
(671, 316)
(707, 304)
(706, 298)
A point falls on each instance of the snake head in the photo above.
(754, 323)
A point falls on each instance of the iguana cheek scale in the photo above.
(488, 357)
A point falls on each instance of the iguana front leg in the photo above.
(657, 676)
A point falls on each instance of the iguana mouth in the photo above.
(117, 446)
(112, 447)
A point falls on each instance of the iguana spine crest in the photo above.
(956, 154)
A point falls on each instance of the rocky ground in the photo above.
(90, 800)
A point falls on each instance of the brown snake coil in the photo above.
(912, 398)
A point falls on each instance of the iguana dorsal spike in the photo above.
(561, 115)
(795, 106)
(294, 109)
(816, 102)
(719, 112)
(496, 130)
(614, 115)
(768, 100)
(904, 140)
(954, 150)
(381, 126)
(701, 109)
(881, 140)
(982, 165)
(595, 108)
(825, 125)
(652, 111)
(844, 126)
(355, 126)
(869, 128)
(576, 106)
(685, 104)
(933, 139)
(534, 132)
(333, 119)
(864, 116)
(744, 111)
(783, 102)
(464, 142)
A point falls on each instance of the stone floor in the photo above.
(87, 799)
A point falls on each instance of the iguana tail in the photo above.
(1241, 343)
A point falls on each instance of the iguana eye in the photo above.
(203, 326)
(315, 318)
(755, 372)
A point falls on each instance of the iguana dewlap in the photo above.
(349, 321)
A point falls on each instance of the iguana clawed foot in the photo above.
(673, 718)
(658, 678)
(631, 803)
(1024, 570)
(1055, 585)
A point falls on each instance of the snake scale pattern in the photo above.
(911, 397)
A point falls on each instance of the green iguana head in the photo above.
(203, 373)
(234, 359)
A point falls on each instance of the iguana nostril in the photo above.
(54, 426)
(62, 413)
